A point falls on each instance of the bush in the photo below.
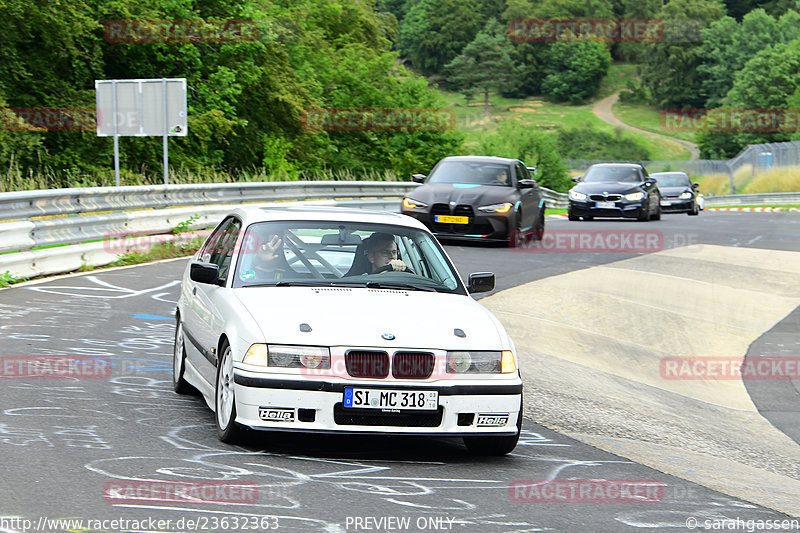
(537, 149)
(586, 142)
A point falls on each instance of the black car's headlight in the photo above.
(575, 195)
(488, 362)
(408, 203)
(634, 196)
(496, 208)
(288, 356)
(685, 196)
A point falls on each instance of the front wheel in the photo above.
(179, 383)
(225, 402)
(695, 210)
(657, 215)
(539, 232)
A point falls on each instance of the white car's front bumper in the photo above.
(282, 403)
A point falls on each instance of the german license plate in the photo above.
(449, 219)
(666, 202)
(606, 205)
(391, 399)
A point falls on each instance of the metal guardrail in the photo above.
(775, 198)
(65, 221)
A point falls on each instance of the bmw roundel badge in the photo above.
(387, 337)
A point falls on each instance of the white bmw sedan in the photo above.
(346, 321)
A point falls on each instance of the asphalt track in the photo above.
(717, 285)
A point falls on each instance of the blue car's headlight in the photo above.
(575, 195)
(685, 196)
(634, 196)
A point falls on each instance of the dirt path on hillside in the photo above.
(603, 110)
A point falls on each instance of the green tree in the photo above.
(726, 47)
(767, 81)
(669, 70)
(575, 70)
(433, 32)
(484, 64)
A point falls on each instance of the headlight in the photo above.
(408, 203)
(685, 196)
(634, 196)
(496, 208)
(575, 195)
(480, 362)
(284, 356)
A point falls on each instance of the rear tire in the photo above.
(695, 210)
(228, 430)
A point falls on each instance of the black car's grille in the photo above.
(605, 197)
(412, 365)
(367, 364)
(366, 417)
(461, 210)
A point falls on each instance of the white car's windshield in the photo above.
(342, 254)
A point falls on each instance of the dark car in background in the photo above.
(678, 193)
(478, 198)
(615, 190)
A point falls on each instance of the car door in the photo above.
(203, 321)
(529, 197)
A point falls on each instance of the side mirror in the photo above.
(204, 273)
(418, 178)
(576, 179)
(480, 282)
(526, 184)
(695, 186)
(649, 180)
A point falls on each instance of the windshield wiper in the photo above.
(398, 286)
(291, 283)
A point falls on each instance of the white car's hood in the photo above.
(365, 317)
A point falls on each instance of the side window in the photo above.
(522, 172)
(220, 246)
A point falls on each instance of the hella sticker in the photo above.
(492, 420)
(273, 414)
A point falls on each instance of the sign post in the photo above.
(139, 108)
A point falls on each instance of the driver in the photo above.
(382, 253)
(270, 262)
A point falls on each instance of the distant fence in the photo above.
(753, 158)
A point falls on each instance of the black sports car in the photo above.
(478, 198)
(678, 193)
(615, 190)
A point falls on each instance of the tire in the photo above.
(644, 215)
(515, 237)
(228, 430)
(179, 383)
(539, 231)
(657, 216)
(695, 210)
(573, 217)
(588, 218)
(491, 445)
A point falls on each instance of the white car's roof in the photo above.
(250, 215)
